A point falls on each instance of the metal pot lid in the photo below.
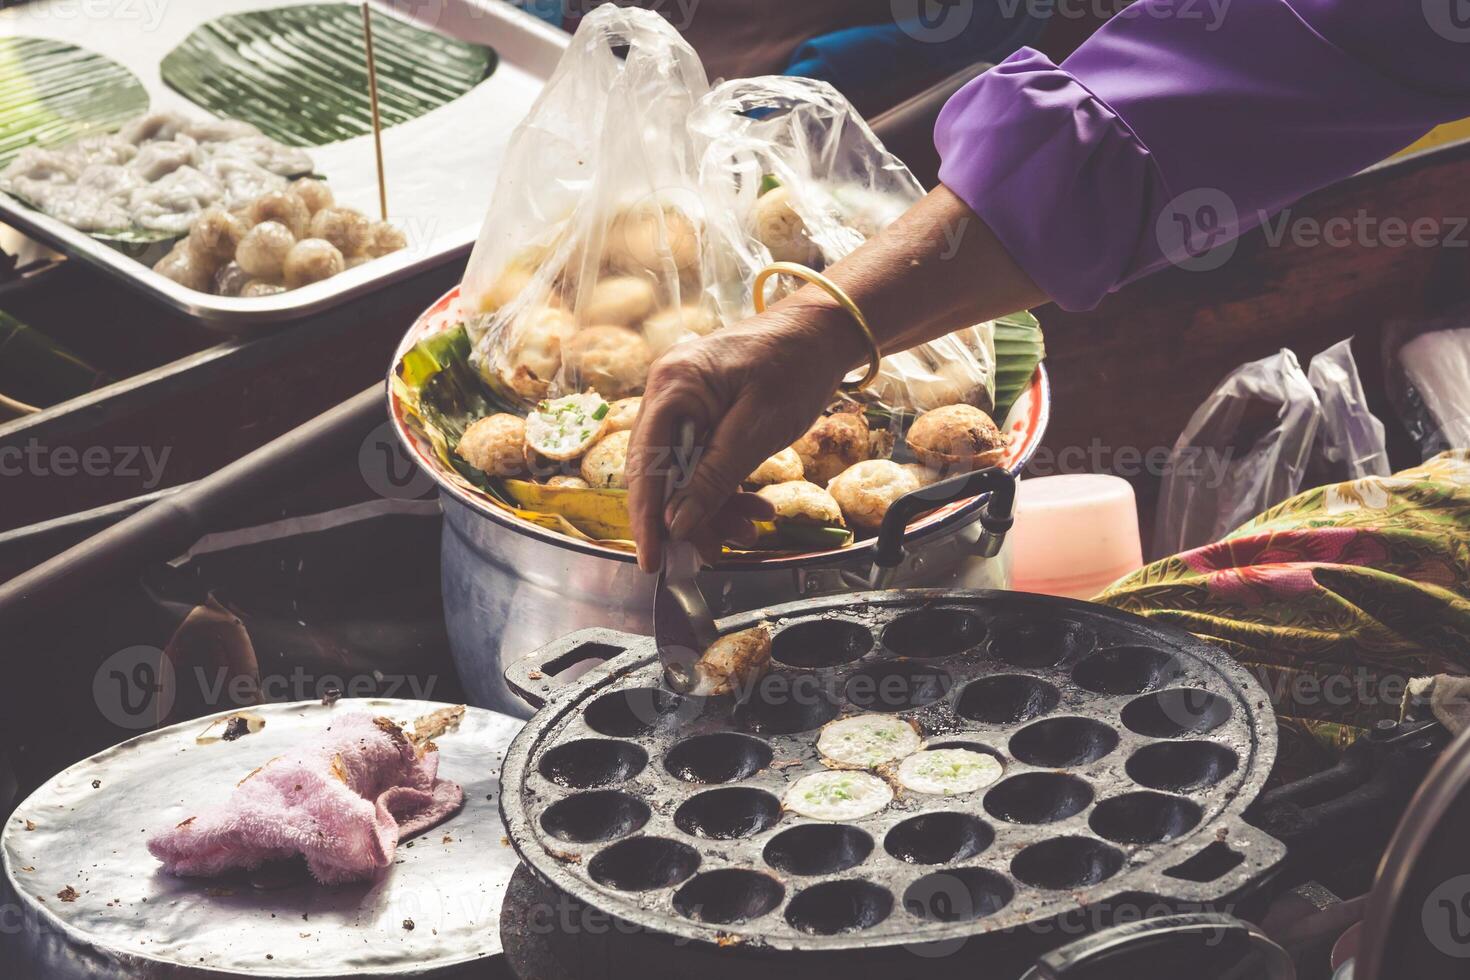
(82, 834)
(1130, 751)
(1024, 425)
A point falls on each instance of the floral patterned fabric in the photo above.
(1334, 599)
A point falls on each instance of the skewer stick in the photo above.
(372, 74)
(15, 406)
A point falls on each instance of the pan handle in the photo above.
(996, 517)
(533, 677)
(1154, 949)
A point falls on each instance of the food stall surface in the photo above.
(437, 207)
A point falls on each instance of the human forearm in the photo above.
(936, 269)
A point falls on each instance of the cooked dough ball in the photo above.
(257, 287)
(512, 282)
(264, 248)
(533, 350)
(922, 473)
(386, 238)
(313, 193)
(781, 230)
(956, 437)
(281, 206)
(783, 467)
(495, 445)
(833, 444)
(568, 482)
(350, 231)
(613, 360)
(185, 268)
(311, 260)
(606, 462)
(621, 300)
(800, 502)
(733, 663)
(623, 413)
(230, 279)
(648, 237)
(215, 236)
(668, 327)
(866, 490)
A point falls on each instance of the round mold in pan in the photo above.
(1103, 721)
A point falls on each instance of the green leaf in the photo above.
(1019, 347)
(300, 73)
(52, 92)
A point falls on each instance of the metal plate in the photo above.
(441, 167)
(1111, 781)
(130, 920)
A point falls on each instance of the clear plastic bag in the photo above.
(800, 177)
(1429, 380)
(1351, 443)
(636, 207)
(596, 223)
(1244, 450)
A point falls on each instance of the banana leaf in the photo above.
(300, 74)
(443, 394)
(600, 514)
(51, 92)
(1019, 348)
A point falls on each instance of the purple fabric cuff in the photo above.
(1163, 135)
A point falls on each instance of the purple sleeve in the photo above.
(1182, 123)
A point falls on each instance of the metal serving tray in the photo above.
(435, 911)
(441, 167)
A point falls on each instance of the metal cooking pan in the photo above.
(1130, 752)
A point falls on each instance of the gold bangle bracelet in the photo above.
(836, 292)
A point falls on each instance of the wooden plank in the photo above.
(1131, 372)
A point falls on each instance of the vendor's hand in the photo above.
(751, 389)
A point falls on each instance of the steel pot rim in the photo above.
(438, 317)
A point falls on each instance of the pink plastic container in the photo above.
(1074, 535)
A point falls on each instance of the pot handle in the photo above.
(996, 517)
(533, 677)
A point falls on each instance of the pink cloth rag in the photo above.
(343, 802)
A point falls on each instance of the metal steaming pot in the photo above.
(511, 588)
